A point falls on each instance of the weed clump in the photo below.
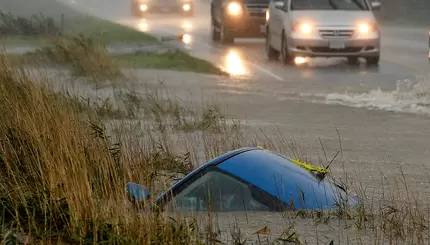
(81, 55)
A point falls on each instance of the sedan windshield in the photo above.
(329, 5)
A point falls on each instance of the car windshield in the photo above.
(329, 5)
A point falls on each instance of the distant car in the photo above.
(323, 28)
(250, 179)
(232, 19)
(141, 7)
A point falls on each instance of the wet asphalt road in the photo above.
(404, 53)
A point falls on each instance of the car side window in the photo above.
(216, 192)
(286, 4)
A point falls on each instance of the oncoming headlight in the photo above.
(365, 28)
(143, 7)
(303, 28)
(186, 7)
(234, 8)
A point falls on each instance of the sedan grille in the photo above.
(336, 33)
(329, 50)
(256, 9)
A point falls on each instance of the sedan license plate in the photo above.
(337, 44)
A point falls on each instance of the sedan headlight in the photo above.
(234, 8)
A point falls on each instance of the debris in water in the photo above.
(172, 38)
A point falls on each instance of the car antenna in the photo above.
(332, 160)
(324, 174)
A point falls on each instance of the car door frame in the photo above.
(276, 22)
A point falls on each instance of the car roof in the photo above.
(283, 179)
(272, 173)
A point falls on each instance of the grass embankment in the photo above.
(84, 57)
(64, 164)
(40, 23)
(175, 60)
(72, 23)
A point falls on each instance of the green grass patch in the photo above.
(46, 7)
(174, 60)
(86, 57)
(69, 22)
(109, 32)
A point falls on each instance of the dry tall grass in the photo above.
(63, 171)
(62, 176)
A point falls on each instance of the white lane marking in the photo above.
(267, 71)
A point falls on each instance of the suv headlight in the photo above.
(234, 8)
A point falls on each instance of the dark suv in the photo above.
(141, 7)
(237, 18)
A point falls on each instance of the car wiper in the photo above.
(332, 4)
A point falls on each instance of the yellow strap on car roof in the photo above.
(309, 167)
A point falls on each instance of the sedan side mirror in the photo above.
(279, 4)
(376, 5)
(137, 193)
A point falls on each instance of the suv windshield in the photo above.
(329, 5)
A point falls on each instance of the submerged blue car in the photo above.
(250, 179)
